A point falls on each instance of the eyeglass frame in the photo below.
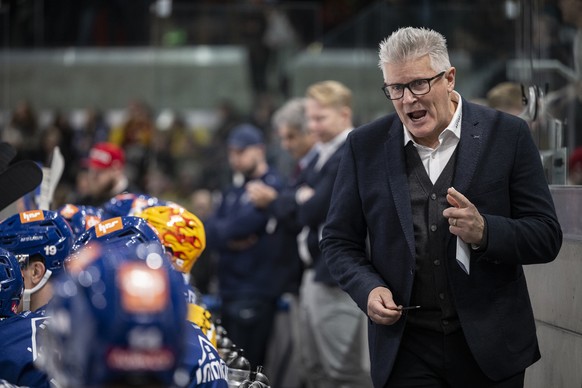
(407, 86)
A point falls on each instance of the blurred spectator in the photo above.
(261, 114)
(290, 123)
(81, 189)
(159, 184)
(135, 137)
(22, 131)
(178, 154)
(572, 15)
(162, 157)
(228, 118)
(551, 42)
(112, 23)
(215, 173)
(250, 271)
(566, 102)
(506, 97)
(575, 167)
(181, 139)
(201, 203)
(203, 273)
(253, 26)
(93, 130)
(106, 175)
(282, 40)
(58, 134)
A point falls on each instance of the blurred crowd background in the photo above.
(167, 79)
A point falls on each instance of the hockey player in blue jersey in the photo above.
(118, 319)
(201, 365)
(183, 235)
(17, 340)
(40, 240)
(11, 284)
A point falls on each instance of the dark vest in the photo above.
(431, 287)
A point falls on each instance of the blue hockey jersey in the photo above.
(20, 348)
(207, 369)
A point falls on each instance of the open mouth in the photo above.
(417, 115)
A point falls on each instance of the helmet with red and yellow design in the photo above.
(181, 232)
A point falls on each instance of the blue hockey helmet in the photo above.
(80, 217)
(118, 231)
(37, 233)
(129, 204)
(11, 284)
(118, 316)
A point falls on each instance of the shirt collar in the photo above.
(326, 150)
(334, 143)
(453, 128)
(309, 156)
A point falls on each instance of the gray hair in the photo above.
(292, 114)
(411, 43)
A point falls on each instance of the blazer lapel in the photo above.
(398, 182)
(468, 150)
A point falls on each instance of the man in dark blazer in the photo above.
(435, 209)
(332, 326)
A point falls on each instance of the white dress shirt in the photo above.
(435, 159)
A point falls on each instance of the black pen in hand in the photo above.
(408, 308)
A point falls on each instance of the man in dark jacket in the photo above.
(250, 272)
(332, 327)
(438, 206)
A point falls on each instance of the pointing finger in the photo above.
(457, 199)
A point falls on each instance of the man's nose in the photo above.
(408, 96)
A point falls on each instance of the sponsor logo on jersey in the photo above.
(143, 289)
(131, 359)
(31, 238)
(211, 367)
(31, 216)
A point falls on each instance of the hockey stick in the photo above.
(7, 153)
(17, 180)
(50, 180)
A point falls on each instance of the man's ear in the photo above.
(37, 271)
(346, 113)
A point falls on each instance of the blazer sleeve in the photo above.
(344, 235)
(530, 232)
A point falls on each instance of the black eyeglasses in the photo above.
(418, 87)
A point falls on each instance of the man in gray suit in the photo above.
(434, 211)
